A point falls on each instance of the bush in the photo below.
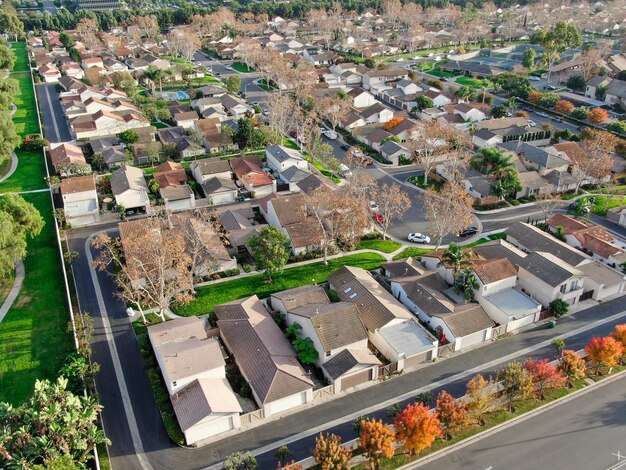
(333, 295)
(514, 202)
(559, 307)
(247, 268)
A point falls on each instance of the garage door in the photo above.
(356, 379)
(83, 220)
(179, 205)
(225, 198)
(418, 359)
(209, 429)
(288, 402)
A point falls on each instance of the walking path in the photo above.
(15, 290)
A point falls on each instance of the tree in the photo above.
(416, 428)
(240, 461)
(577, 82)
(9, 139)
(281, 115)
(513, 84)
(423, 102)
(617, 126)
(233, 84)
(572, 365)
(270, 250)
(580, 113)
(427, 141)
(499, 111)
(559, 307)
(10, 23)
(456, 256)
(248, 136)
(376, 440)
(129, 137)
(449, 211)
(597, 116)
(154, 74)
(7, 58)
(594, 162)
(393, 203)
(619, 334)
(517, 382)
(451, 413)
(307, 354)
(152, 267)
(604, 352)
(281, 454)
(19, 220)
(563, 106)
(479, 396)
(528, 59)
(329, 454)
(559, 344)
(544, 376)
(332, 109)
(52, 424)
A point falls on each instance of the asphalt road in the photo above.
(584, 433)
(56, 128)
(132, 422)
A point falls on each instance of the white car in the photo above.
(332, 135)
(418, 238)
(373, 206)
(534, 78)
(532, 123)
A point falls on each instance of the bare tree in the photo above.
(392, 203)
(280, 112)
(87, 28)
(548, 205)
(332, 109)
(152, 265)
(427, 141)
(594, 161)
(449, 211)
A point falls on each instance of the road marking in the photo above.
(52, 113)
(405, 396)
(117, 365)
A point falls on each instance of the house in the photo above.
(601, 281)
(543, 160)
(250, 174)
(393, 152)
(68, 159)
(80, 200)
(617, 215)
(212, 91)
(375, 78)
(594, 83)
(186, 120)
(485, 138)
(235, 107)
(213, 138)
(533, 184)
(194, 372)
(280, 158)
(361, 98)
(547, 278)
(616, 93)
(287, 215)
(390, 327)
(377, 114)
(72, 69)
(592, 239)
(130, 189)
(173, 187)
(264, 356)
(336, 331)
(49, 72)
(439, 98)
(240, 224)
(177, 136)
(216, 178)
(92, 62)
(104, 123)
(204, 170)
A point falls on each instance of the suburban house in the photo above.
(240, 224)
(336, 331)
(376, 78)
(542, 160)
(253, 178)
(391, 328)
(104, 123)
(49, 72)
(177, 136)
(185, 119)
(377, 114)
(194, 373)
(360, 98)
(173, 187)
(215, 177)
(616, 93)
(264, 356)
(130, 189)
(80, 200)
(67, 159)
(279, 158)
(617, 215)
(287, 215)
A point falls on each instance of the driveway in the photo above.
(133, 423)
(55, 126)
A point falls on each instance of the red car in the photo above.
(378, 217)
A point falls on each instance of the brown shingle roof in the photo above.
(67, 154)
(78, 184)
(494, 270)
(300, 296)
(467, 319)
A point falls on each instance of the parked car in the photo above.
(373, 206)
(532, 123)
(534, 78)
(418, 238)
(344, 170)
(378, 217)
(345, 146)
(332, 135)
(542, 114)
(469, 231)
(557, 119)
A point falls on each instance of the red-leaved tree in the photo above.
(376, 440)
(605, 352)
(416, 428)
(544, 375)
(451, 413)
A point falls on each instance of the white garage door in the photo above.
(83, 220)
(473, 339)
(208, 429)
(179, 205)
(288, 402)
(516, 324)
(225, 198)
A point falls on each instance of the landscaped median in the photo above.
(208, 297)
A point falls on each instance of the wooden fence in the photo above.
(386, 371)
(324, 392)
(251, 418)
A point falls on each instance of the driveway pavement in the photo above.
(132, 421)
(55, 126)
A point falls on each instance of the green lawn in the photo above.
(161, 396)
(33, 336)
(437, 72)
(29, 174)
(419, 182)
(412, 251)
(603, 203)
(21, 57)
(241, 67)
(264, 85)
(289, 143)
(473, 82)
(209, 296)
(386, 246)
(25, 118)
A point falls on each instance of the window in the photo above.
(174, 383)
(327, 353)
(575, 285)
(563, 288)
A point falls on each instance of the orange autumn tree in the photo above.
(416, 428)
(478, 390)
(544, 375)
(376, 440)
(619, 334)
(572, 365)
(563, 106)
(329, 454)
(605, 352)
(451, 413)
(393, 122)
(534, 97)
(597, 116)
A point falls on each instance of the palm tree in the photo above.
(456, 256)
(153, 74)
(466, 93)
